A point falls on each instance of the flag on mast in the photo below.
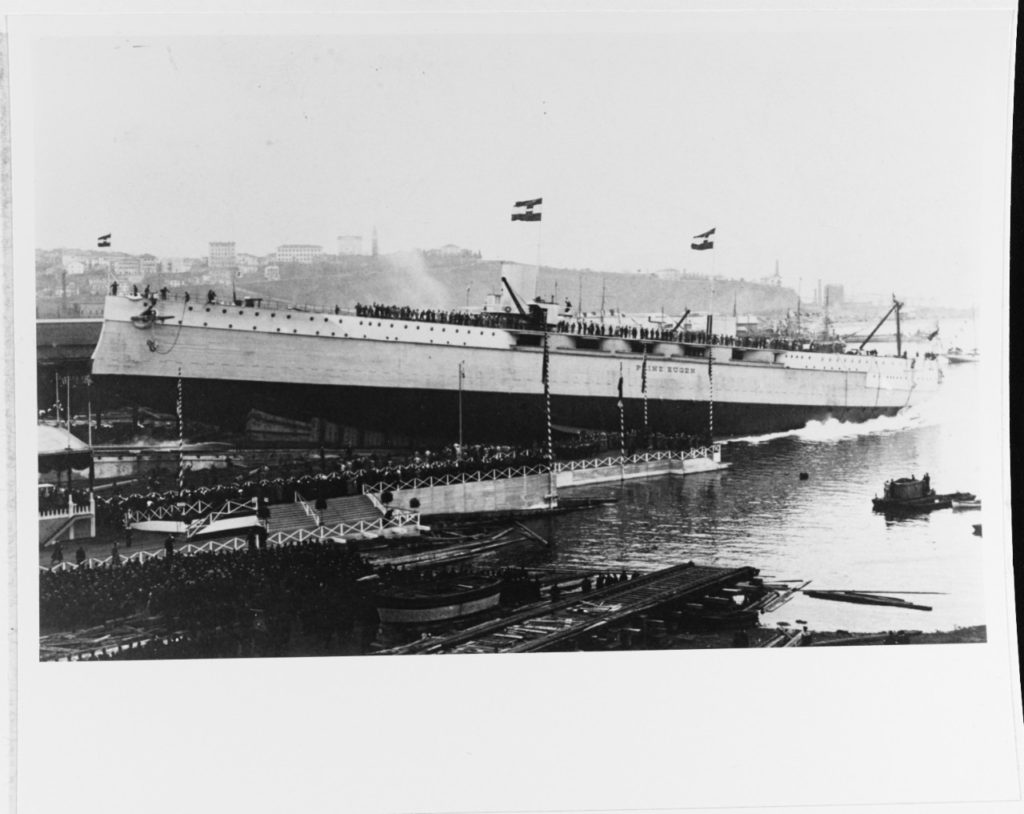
(620, 387)
(527, 207)
(103, 241)
(643, 372)
(705, 240)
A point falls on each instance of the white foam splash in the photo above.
(832, 429)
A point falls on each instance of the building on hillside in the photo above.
(73, 263)
(272, 272)
(175, 265)
(298, 253)
(149, 268)
(350, 244)
(667, 274)
(222, 255)
(128, 270)
(248, 264)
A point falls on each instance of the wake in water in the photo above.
(832, 429)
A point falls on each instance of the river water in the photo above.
(759, 512)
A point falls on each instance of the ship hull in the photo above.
(402, 382)
(432, 416)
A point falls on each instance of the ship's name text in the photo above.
(668, 369)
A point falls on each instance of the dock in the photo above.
(558, 625)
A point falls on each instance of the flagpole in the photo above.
(88, 397)
(528, 214)
(622, 430)
(552, 482)
(460, 409)
(710, 344)
(643, 387)
(181, 442)
(711, 350)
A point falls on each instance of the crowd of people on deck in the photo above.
(243, 592)
(591, 327)
(477, 319)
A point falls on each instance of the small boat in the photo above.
(417, 604)
(913, 496)
(863, 598)
(956, 356)
(959, 505)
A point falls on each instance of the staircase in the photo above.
(350, 511)
(54, 529)
(289, 517)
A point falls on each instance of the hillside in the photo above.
(419, 279)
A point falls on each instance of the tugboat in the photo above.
(913, 496)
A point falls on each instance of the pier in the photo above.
(559, 625)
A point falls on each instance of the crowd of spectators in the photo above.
(343, 477)
(56, 497)
(594, 444)
(261, 592)
(338, 478)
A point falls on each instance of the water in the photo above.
(822, 529)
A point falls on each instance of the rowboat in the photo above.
(417, 604)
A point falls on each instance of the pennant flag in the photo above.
(103, 241)
(620, 390)
(933, 334)
(527, 206)
(705, 241)
(643, 373)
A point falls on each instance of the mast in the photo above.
(899, 339)
(895, 307)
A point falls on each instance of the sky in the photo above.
(863, 149)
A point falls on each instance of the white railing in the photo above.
(210, 546)
(640, 457)
(457, 478)
(71, 510)
(522, 471)
(169, 511)
(398, 516)
(309, 510)
(228, 508)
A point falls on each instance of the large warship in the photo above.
(375, 373)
